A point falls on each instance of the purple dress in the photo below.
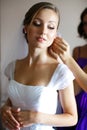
(81, 100)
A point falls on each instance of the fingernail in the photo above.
(18, 109)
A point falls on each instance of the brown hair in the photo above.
(80, 27)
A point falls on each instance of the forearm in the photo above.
(80, 75)
(56, 120)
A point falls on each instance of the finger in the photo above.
(57, 49)
(15, 110)
(61, 40)
(18, 116)
(10, 118)
(10, 126)
(13, 122)
(53, 54)
(60, 45)
(65, 43)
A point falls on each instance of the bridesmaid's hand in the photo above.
(60, 48)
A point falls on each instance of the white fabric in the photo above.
(40, 98)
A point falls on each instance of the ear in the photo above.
(25, 29)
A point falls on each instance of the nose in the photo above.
(44, 29)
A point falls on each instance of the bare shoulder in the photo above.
(84, 46)
(83, 51)
(76, 52)
(79, 51)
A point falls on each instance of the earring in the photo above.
(25, 32)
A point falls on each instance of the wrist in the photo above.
(68, 60)
(35, 116)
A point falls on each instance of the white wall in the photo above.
(13, 44)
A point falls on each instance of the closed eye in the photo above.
(36, 23)
(51, 28)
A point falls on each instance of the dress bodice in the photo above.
(39, 98)
(33, 97)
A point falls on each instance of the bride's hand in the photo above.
(8, 119)
(25, 117)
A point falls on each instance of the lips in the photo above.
(41, 39)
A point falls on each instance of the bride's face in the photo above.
(42, 29)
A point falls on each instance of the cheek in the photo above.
(31, 34)
(52, 36)
(31, 30)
